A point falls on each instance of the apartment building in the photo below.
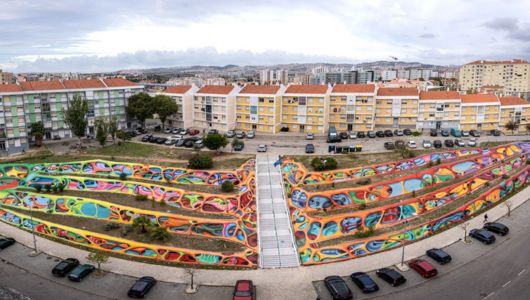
(183, 96)
(439, 110)
(513, 75)
(35, 101)
(479, 112)
(258, 108)
(214, 107)
(6, 78)
(305, 108)
(514, 109)
(352, 107)
(396, 107)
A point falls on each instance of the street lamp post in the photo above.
(404, 235)
(33, 226)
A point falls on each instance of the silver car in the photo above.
(464, 133)
(262, 148)
(231, 134)
(472, 142)
(309, 136)
(427, 144)
(353, 135)
(460, 143)
(251, 135)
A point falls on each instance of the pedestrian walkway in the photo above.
(276, 242)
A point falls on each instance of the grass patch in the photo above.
(495, 144)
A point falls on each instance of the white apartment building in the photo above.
(214, 107)
(183, 96)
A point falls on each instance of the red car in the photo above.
(425, 269)
(194, 132)
(244, 290)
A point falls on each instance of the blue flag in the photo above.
(278, 162)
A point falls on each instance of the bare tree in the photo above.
(191, 269)
(508, 205)
(464, 227)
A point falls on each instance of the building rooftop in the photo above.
(479, 98)
(216, 89)
(353, 88)
(307, 89)
(260, 89)
(506, 101)
(118, 82)
(395, 92)
(440, 95)
(41, 85)
(7, 88)
(177, 89)
(83, 84)
(500, 62)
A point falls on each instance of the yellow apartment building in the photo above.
(514, 109)
(352, 107)
(396, 107)
(214, 107)
(439, 110)
(305, 108)
(513, 75)
(479, 112)
(183, 96)
(258, 108)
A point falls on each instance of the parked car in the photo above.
(310, 136)
(4, 243)
(360, 134)
(407, 131)
(239, 147)
(146, 138)
(425, 269)
(472, 142)
(412, 144)
(398, 132)
(64, 267)
(180, 143)
(426, 144)
(460, 143)
(175, 130)
(213, 131)
(388, 132)
(171, 141)
(176, 137)
(482, 235)
(391, 276)
(131, 133)
(380, 134)
(244, 290)
(240, 135)
(437, 144)
(141, 287)
(434, 132)
(136, 131)
(495, 132)
(449, 143)
(167, 130)
(251, 135)
(353, 135)
(184, 131)
(262, 148)
(194, 132)
(371, 134)
(81, 272)
(230, 134)
(158, 128)
(195, 139)
(334, 139)
(400, 144)
(161, 140)
(464, 133)
(142, 130)
(153, 139)
(189, 143)
(445, 132)
(474, 133)
(199, 144)
(284, 129)
(455, 132)
(343, 135)
(338, 288)
(364, 282)
(498, 228)
(309, 148)
(389, 146)
(439, 255)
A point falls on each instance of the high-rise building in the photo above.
(388, 75)
(513, 75)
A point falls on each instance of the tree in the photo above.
(161, 234)
(164, 107)
(122, 135)
(99, 257)
(508, 204)
(191, 269)
(197, 148)
(141, 223)
(401, 148)
(200, 162)
(141, 107)
(102, 131)
(37, 131)
(236, 142)
(510, 125)
(76, 116)
(421, 79)
(113, 127)
(215, 141)
(527, 127)
(227, 186)
(464, 227)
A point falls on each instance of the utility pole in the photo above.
(35, 253)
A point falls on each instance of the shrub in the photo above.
(167, 179)
(416, 133)
(414, 194)
(487, 184)
(430, 164)
(438, 161)
(123, 176)
(37, 187)
(333, 184)
(364, 232)
(161, 234)
(55, 189)
(362, 206)
(363, 181)
(61, 187)
(411, 154)
(112, 158)
(126, 229)
(200, 162)
(141, 197)
(153, 202)
(119, 143)
(528, 162)
(162, 202)
(344, 151)
(505, 176)
(48, 187)
(318, 187)
(352, 155)
(111, 225)
(227, 186)
(289, 195)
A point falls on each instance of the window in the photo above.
(422, 106)
(357, 126)
(321, 118)
(332, 98)
(503, 111)
(295, 118)
(284, 117)
(496, 108)
(238, 99)
(358, 108)
(378, 102)
(342, 125)
(342, 98)
(414, 111)
(238, 108)
(271, 100)
(485, 125)
(370, 108)
(261, 118)
(389, 119)
(414, 101)
(260, 109)
(295, 126)
(320, 127)
(457, 105)
(321, 100)
(457, 114)
(377, 111)
(388, 101)
(431, 115)
(473, 108)
(261, 100)
(502, 119)
(311, 118)
(309, 126)
(271, 118)
(270, 127)
(260, 126)
(378, 119)
(464, 108)
(388, 111)
(463, 118)
(403, 101)
(271, 109)
(487, 117)
(472, 126)
(247, 125)
(433, 105)
(487, 108)
(403, 120)
(404, 110)
(285, 108)
(473, 117)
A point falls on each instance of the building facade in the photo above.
(513, 75)
(214, 107)
(258, 108)
(396, 107)
(305, 108)
(439, 110)
(6, 78)
(352, 107)
(480, 112)
(517, 110)
(183, 96)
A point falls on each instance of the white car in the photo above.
(309, 136)
(412, 144)
(171, 141)
(472, 142)
(262, 148)
(176, 137)
(353, 135)
(175, 130)
(167, 130)
(460, 143)
(427, 144)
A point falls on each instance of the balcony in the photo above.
(47, 124)
(55, 128)
(9, 125)
(54, 119)
(22, 134)
(20, 103)
(53, 109)
(10, 135)
(8, 114)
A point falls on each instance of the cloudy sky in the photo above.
(101, 35)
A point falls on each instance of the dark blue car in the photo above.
(445, 132)
(364, 282)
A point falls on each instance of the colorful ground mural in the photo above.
(242, 230)
(310, 229)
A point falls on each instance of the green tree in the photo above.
(161, 234)
(236, 142)
(76, 116)
(164, 107)
(401, 148)
(122, 135)
(215, 141)
(99, 257)
(511, 125)
(421, 79)
(102, 130)
(527, 127)
(113, 127)
(37, 131)
(142, 223)
(141, 107)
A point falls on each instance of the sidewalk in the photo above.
(290, 283)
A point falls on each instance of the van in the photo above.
(455, 132)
